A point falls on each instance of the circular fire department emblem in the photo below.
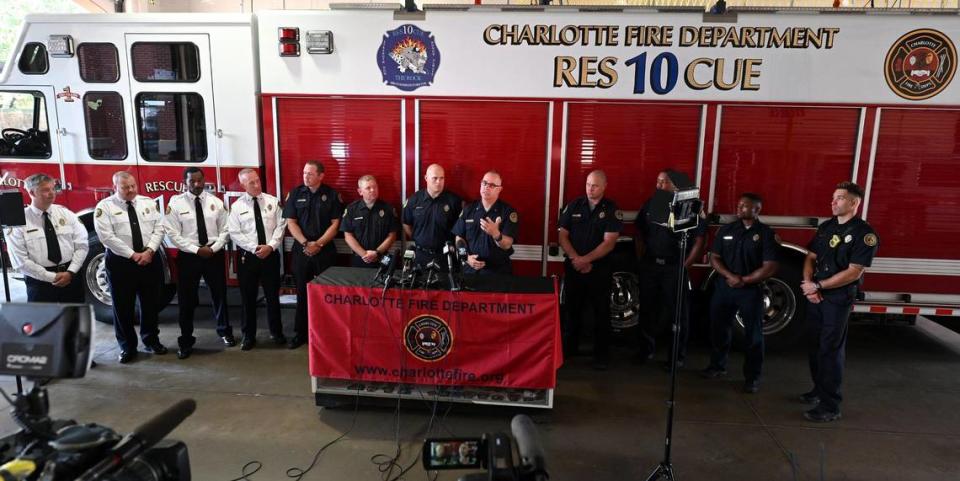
(408, 58)
(920, 64)
(428, 338)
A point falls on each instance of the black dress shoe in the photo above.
(247, 343)
(820, 414)
(278, 339)
(295, 342)
(810, 398)
(126, 357)
(229, 340)
(751, 386)
(184, 352)
(156, 348)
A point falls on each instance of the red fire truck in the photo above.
(782, 103)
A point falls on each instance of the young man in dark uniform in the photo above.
(313, 213)
(840, 251)
(489, 226)
(428, 217)
(744, 254)
(660, 258)
(588, 231)
(369, 225)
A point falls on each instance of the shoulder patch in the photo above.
(514, 217)
(618, 214)
(870, 239)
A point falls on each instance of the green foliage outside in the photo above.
(13, 11)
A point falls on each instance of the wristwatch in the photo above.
(499, 237)
(819, 287)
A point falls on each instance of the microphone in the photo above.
(462, 251)
(385, 262)
(408, 257)
(142, 438)
(529, 447)
(451, 253)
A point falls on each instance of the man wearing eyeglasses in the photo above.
(489, 227)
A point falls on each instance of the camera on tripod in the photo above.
(53, 341)
(492, 452)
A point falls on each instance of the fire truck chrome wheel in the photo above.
(624, 300)
(779, 306)
(96, 277)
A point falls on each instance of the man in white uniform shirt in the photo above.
(131, 229)
(256, 226)
(50, 249)
(196, 222)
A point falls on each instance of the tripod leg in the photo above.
(663, 471)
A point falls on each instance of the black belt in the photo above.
(59, 268)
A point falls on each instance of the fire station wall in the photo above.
(792, 156)
(914, 197)
(351, 137)
(470, 137)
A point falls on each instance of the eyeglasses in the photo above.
(491, 185)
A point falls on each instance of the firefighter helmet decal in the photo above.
(408, 58)
(920, 64)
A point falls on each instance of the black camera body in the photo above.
(53, 341)
(491, 452)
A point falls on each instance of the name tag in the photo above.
(118, 213)
(577, 215)
(32, 230)
(728, 237)
(358, 218)
(185, 212)
(244, 213)
(470, 220)
(301, 200)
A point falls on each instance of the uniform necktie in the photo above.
(201, 222)
(53, 246)
(135, 227)
(258, 218)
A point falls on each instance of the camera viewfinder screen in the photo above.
(453, 454)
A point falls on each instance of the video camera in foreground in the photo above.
(492, 452)
(53, 341)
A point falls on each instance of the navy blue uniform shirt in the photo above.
(745, 250)
(313, 211)
(587, 227)
(839, 245)
(369, 225)
(432, 218)
(481, 244)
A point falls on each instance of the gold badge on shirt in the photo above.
(99, 212)
(834, 241)
(269, 207)
(513, 217)
(146, 211)
(446, 208)
(381, 213)
(756, 237)
(63, 221)
(323, 197)
(602, 214)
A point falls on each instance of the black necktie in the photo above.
(53, 246)
(201, 222)
(135, 228)
(258, 218)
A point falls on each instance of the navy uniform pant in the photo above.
(827, 324)
(254, 272)
(191, 268)
(305, 268)
(584, 293)
(42, 291)
(724, 305)
(658, 294)
(129, 283)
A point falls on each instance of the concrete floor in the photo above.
(901, 420)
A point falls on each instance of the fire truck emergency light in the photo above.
(289, 49)
(319, 41)
(289, 34)
(60, 45)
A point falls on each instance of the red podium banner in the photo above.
(509, 340)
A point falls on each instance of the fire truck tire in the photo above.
(97, 288)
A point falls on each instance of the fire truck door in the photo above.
(171, 90)
(30, 133)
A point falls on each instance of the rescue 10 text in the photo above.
(660, 71)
